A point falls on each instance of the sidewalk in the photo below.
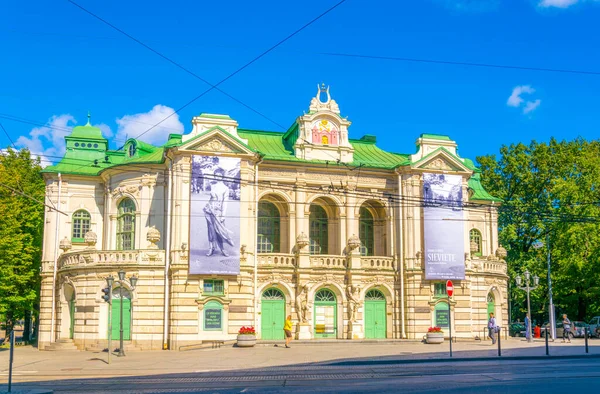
(33, 365)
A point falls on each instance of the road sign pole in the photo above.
(450, 325)
(449, 291)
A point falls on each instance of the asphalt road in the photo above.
(502, 376)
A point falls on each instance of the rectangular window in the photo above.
(439, 290)
(213, 287)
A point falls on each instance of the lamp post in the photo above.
(110, 280)
(551, 314)
(133, 281)
(528, 288)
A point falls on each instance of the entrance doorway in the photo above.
(325, 314)
(121, 295)
(70, 297)
(375, 315)
(272, 312)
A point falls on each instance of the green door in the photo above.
(325, 314)
(72, 318)
(375, 315)
(491, 304)
(116, 317)
(272, 314)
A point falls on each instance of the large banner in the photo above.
(444, 227)
(215, 216)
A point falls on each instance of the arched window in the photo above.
(324, 295)
(319, 234)
(269, 224)
(367, 240)
(475, 242)
(81, 225)
(126, 225)
(374, 295)
(273, 294)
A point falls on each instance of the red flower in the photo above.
(434, 329)
(247, 330)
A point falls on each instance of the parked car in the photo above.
(516, 329)
(577, 329)
(595, 326)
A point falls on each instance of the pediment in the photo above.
(216, 140)
(441, 160)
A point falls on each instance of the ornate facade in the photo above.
(331, 231)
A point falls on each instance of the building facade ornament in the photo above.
(153, 237)
(90, 239)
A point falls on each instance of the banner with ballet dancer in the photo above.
(215, 215)
(444, 227)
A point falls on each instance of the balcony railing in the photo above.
(276, 260)
(496, 267)
(82, 258)
(328, 261)
(377, 262)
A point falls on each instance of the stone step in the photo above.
(61, 345)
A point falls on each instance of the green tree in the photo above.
(551, 196)
(21, 227)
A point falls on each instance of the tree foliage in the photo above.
(21, 226)
(551, 194)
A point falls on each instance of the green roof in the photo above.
(93, 158)
(479, 193)
(366, 153)
(88, 132)
(436, 137)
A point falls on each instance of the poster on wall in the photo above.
(444, 227)
(215, 215)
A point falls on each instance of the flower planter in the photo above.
(246, 340)
(435, 337)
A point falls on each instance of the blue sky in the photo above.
(58, 62)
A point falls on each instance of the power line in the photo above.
(215, 86)
(455, 63)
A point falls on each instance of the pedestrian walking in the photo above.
(287, 329)
(566, 328)
(527, 327)
(492, 328)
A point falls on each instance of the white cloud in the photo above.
(48, 142)
(132, 126)
(515, 99)
(557, 3)
(531, 106)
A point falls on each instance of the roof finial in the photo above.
(89, 116)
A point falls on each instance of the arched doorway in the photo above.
(375, 315)
(272, 312)
(325, 314)
(491, 303)
(121, 295)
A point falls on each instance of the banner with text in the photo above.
(215, 215)
(444, 227)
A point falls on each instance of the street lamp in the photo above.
(551, 314)
(528, 288)
(133, 281)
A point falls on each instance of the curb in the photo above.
(458, 359)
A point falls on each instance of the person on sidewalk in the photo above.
(492, 328)
(527, 327)
(566, 328)
(287, 329)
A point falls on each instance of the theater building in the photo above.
(225, 227)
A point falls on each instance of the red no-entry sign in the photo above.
(449, 288)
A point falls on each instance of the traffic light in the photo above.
(106, 296)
